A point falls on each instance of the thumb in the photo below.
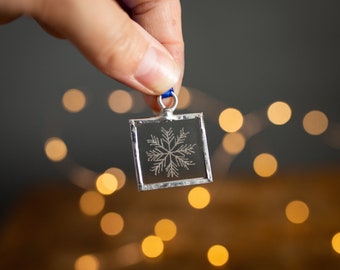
(113, 42)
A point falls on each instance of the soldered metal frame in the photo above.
(167, 115)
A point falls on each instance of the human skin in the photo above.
(137, 42)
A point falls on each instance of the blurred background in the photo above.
(266, 76)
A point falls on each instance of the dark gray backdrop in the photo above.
(245, 54)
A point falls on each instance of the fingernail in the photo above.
(158, 71)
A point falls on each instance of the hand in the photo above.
(137, 42)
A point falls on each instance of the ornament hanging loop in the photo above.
(169, 93)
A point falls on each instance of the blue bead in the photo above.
(168, 93)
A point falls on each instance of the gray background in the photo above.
(245, 54)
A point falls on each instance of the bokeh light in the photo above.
(152, 246)
(91, 203)
(165, 229)
(332, 136)
(74, 100)
(119, 174)
(199, 197)
(87, 262)
(138, 102)
(184, 98)
(106, 183)
(120, 101)
(265, 165)
(82, 177)
(279, 113)
(336, 242)
(230, 120)
(297, 212)
(128, 255)
(233, 143)
(55, 149)
(253, 123)
(315, 122)
(112, 223)
(218, 255)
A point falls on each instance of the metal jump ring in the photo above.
(173, 106)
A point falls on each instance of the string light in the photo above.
(74, 100)
(297, 212)
(120, 101)
(152, 246)
(199, 197)
(91, 203)
(87, 262)
(315, 122)
(279, 113)
(112, 223)
(336, 242)
(265, 165)
(233, 143)
(55, 149)
(119, 175)
(165, 229)
(230, 120)
(218, 255)
(106, 183)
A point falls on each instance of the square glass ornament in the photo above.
(170, 150)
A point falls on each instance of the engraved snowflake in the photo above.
(169, 152)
